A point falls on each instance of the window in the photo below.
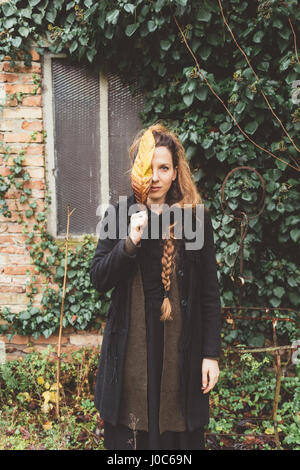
(90, 120)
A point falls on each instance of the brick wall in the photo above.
(17, 122)
(72, 340)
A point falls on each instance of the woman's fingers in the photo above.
(210, 375)
(138, 222)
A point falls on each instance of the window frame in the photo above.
(49, 126)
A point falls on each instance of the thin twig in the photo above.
(61, 313)
(295, 41)
(277, 348)
(277, 388)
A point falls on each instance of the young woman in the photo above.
(161, 343)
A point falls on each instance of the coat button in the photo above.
(180, 273)
(183, 302)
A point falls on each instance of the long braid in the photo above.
(168, 264)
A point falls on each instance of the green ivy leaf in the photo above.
(113, 16)
(188, 99)
(225, 126)
(295, 234)
(73, 46)
(203, 15)
(151, 25)
(25, 13)
(201, 93)
(258, 36)
(23, 31)
(131, 29)
(165, 45)
(17, 41)
(251, 127)
(279, 292)
(8, 9)
(129, 8)
(75, 308)
(10, 22)
(33, 3)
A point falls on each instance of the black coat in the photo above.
(201, 320)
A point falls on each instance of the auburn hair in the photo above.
(182, 192)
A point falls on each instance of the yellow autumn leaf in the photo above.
(54, 386)
(47, 385)
(47, 425)
(40, 380)
(24, 396)
(46, 396)
(46, 407)
(141, 173)
(53, 397)
(270, 430)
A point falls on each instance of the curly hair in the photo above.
(182, 192)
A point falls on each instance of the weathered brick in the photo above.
(14, 217)
(8, 298)
(38, 194)
(17, 339)
(31, 149)
(85, 340)
(4, 171)
(19, 259)
(8, 125)
(32, 100)
(27, 113)
(33, 161)
(24, 206)
(14, 227)
(32, 126)
(23, 137)
(28, 77)
(12, 288)
(53, 339)
(5, 279)
(12, 249)
(34, 184)
(35, 55)
(9, 77)
(14, 270)
(4, 228)
(15, 356)
(19, 67)
(20, 88)
(36, 172)
(20, 279)
(4, 259)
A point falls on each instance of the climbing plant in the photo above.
(142, 40)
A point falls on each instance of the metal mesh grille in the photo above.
(77, 145)
(124, 123)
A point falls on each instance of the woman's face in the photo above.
(163, 175)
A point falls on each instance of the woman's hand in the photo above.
(138, 222)
(210, 374)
